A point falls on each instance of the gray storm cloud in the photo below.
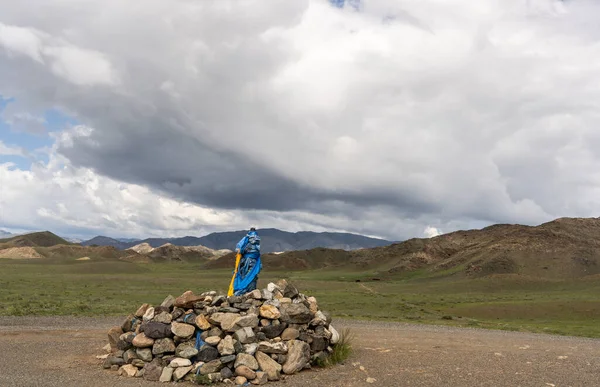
(417, 112)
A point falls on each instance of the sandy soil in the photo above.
(19, 253)
(60, 351)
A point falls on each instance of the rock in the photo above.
(234, 299)
(246, 360)
(186, 300)
(245, 335)
(177, 312)
(373, 380)
(261, 378)
(213, 340)
(251, 321)
(113, 337)
(141, 310)
(127, 324)
(242, 306)
(182, 330)
(139, 363)
(142, 341)
(245, 372)
(264, 322)
(335, 336)
(240, 380)
(267, 295)
(290, 334)
(128, 370)
(270, 312)
(153, 370)
(215, 377)
(169, 302)
(114, 367)
(267, 347)
(285, 300)
(211, 367)
(267, 364)
(186, 350)
(218, 300)
(123, 345)
(225, 320)
(180, 362)
(298, 357)
(318, 344)
(144, 354)
(129, 355)
(312, 305)
(156, 330)
(295, 313)
(228, 359)
(180, 372)
(272, 287)
(163, 317)
(202, 323)
(163, 346)
(288, 290)
(207, 353)
(148, 314)
(166, 375)
(225, 346)
(273, 331)
(113, 360)
(227, 373)
(250, 349)
(255, 294)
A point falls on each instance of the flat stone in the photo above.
(187, 299)
(144, 353)
(213, 340)
(295, 313)
(168, 302)
(245, 372)
(267, 347)
(228, 309)
(273, 331)
(290, 334)
(211, 367)
(242, 306)
(228, 359)
(142, 341)
(148, 314)
(182, 330)
(180, 362)
(139, 363)
(267, 364)
(166, 375)
(246, 360)
(225, 346)
(202, 323)
(180, 372)
(163, 317)
(269, 312)
(156, 330)
(225, 320)
(141, 310)
(128, 370)
(251, 321)
(163, 346)
(298, 357)
(245, 335)
(261, 378)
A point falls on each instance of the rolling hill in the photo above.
(273, 240)
(36, 239)
(562, 249)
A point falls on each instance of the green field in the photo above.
(114, 288)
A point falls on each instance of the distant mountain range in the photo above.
(5, 234)
(273, 240)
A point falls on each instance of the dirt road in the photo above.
(60, 351)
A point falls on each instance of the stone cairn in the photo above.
(261, 336)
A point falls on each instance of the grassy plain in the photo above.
(113, 288)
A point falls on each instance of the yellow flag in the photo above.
(237, 263)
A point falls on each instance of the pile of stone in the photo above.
(261, 336)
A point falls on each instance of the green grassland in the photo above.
(114, 288)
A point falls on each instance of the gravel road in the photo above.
(60, 351)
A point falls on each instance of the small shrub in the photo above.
(341, 351)
(203, 380)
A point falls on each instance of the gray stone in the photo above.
(211, 367)
(225, 346)
(251, 321)
(139, 363)
(298, 357)
(182, 330)
(163, 317)
(113, 360)
(153, 370)
(144, 353)
(186, 350)
(207, 353)
(218, 300)
(177, 312)
(227, 359)
(318, 344)
(295, 313)
(267, 347)
(245, 335)
(234, 299)
(225, 320)
(129, 355)
(163, 346)
(167, 375)
(242, 306)
(273, 331)
(246, 360)
(267, 295)
(227, 373)
(180, 372)
(228, 309)
(168, 302)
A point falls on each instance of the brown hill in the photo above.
(36, 239)
(169, 252)
(564, 248)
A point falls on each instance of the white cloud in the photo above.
(431, 232)
(8, 150)
(450, 114)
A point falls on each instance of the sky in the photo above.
(394, 118)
